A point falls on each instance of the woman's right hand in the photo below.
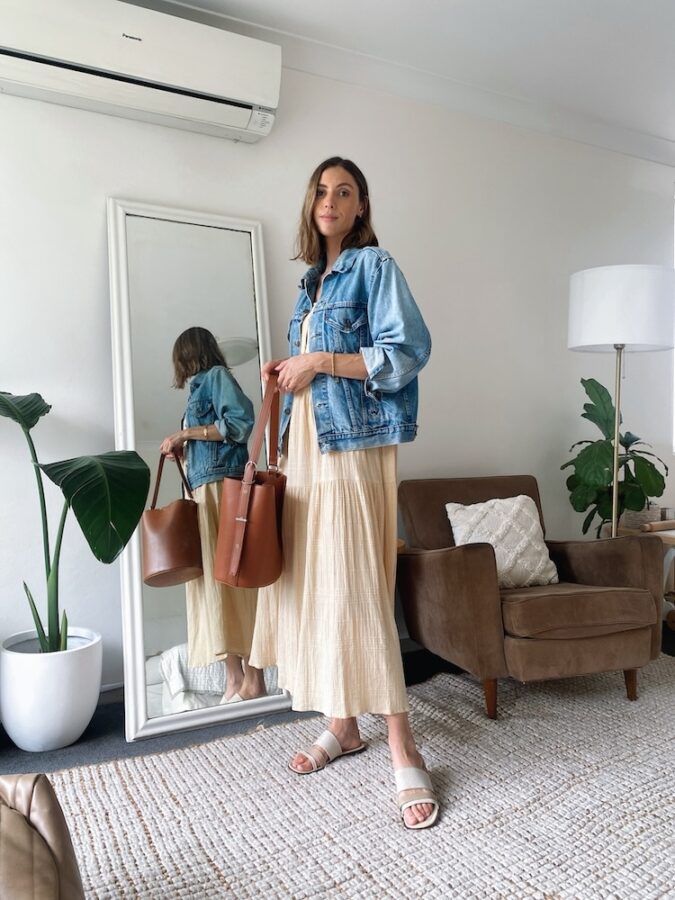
(268, 368)
(172, 446)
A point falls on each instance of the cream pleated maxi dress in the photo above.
(328, 622)
(220, 618)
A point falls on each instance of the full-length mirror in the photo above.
(172, 271)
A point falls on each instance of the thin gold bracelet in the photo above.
(332, 364)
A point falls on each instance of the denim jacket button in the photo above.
(297, 343)
(287, 411)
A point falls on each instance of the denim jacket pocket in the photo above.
(347, 328)
(198, 408)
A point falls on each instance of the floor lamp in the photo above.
(621, 309)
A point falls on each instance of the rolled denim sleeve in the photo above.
(234, 411)
(401, 340)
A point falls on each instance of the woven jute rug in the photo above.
(569, 794)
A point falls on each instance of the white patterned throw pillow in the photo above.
(513, 528)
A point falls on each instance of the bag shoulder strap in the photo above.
(269, 411)
(160, 467)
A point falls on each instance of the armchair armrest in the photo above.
(451, 602)
(632, 561)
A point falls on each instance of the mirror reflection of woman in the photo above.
(213, 443)
(357, 342)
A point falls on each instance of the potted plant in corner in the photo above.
(50, 677)
(590, 485)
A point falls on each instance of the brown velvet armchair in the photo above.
(604, 615)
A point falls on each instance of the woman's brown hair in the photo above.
(194, 351)
(310, 245)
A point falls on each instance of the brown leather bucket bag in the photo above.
(172, 552)
(249, 551)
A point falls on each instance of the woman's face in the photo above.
(337, 204)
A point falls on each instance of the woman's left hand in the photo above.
(296, 372)
(172, 445)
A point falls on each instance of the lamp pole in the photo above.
(617, 418)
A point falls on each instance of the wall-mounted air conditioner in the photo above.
(124, 60)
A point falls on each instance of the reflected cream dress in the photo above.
(220, 618)
(328, 622)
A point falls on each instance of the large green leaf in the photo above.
(582, 496)
(594, 464)
(107, 493)
(572, 482)
(25, 410)
(601, 409)
(573, 462)
(634, 453)
(651, 480)
(633, 496)
(605, 504)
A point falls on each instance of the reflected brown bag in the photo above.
(249, 551)
(172, 551)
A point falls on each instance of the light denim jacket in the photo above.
(365, 306)
(216, 399)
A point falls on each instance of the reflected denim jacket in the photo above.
(216, 399)
(365, 306)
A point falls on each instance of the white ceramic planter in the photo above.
(48, 699)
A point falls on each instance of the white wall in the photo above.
(486, 220)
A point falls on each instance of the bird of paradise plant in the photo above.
(107, 494)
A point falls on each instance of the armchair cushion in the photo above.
(560, 611)
(512, 526)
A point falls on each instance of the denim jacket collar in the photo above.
(343, 263)
(345, 260)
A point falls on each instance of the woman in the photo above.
(357, 342)
(217, 423)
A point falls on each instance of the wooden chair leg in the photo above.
(490, 691)
(630, 677)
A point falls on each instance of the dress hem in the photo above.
(341, 714)
(347, 715)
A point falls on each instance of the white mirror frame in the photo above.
(137, 723)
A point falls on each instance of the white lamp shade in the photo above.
(629, 305)
(238, 350)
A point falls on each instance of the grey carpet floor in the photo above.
(104, 741)
(567, 796)
(104, 738)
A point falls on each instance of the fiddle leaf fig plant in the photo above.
(107, 494)
(590, 484)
